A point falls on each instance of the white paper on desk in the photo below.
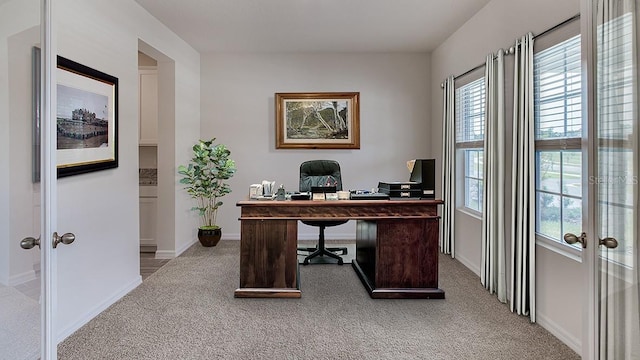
(268, 187)
(410, 165)
(255, 190)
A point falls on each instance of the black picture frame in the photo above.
(35, 113)
(86, 119)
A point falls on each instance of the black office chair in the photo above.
(321, 173)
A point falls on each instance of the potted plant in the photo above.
(204, 179)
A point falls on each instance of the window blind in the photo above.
(470, 101)
(557, 94)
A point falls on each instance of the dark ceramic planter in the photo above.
(209, 238)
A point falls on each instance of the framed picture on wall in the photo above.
(326, 120)
(86, 119)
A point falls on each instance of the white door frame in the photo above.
(48, 178)
(589, 162)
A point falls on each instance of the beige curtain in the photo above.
(493, 259)
(447, 243)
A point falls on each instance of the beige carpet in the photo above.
(19, 325)
(186, 310)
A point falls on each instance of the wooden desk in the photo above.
(396, 245)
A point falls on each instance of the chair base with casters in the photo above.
(321, 250)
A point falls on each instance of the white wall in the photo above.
(238, 109)
(497, 25)
(101, 208)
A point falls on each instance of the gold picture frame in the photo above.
(322, 120)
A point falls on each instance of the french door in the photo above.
(27, 269)
(611, 256)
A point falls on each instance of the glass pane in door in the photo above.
(20, 284)
(616, 84)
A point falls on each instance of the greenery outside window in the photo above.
(470, 118)
(558, 133)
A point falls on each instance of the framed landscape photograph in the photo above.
(86, 119)
(327, 120)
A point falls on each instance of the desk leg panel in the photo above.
(366, 235)
(268, 258)
(407, 254)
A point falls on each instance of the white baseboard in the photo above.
(233, 236)
(148, 242)
(466, 262)
(64, 333)
(574, 343)
(165, 254)
(22, 278)
(170, 254)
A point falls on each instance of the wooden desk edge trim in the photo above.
(337, 202)
(395, 293)
(267, 293)
(423, 293)
(369, 218)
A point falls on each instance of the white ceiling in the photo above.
(313, 25)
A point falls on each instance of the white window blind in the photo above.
(557, 84)
(470, 100)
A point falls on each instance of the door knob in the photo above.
(66, 239)
(29, 242)
(570, 238)
(609, 242)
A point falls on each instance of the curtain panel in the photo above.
(447, 243)
(523, 256)
(493, 259)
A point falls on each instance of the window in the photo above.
(558, 132)
(470, 100)
(616, 99)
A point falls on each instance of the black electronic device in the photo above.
(401, 189)
(300, 196)
(424, 172)
(323, 189)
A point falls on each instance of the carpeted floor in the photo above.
(19, 325)
(186, 310)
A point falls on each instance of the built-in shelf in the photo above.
(148, 177)
(148, 97)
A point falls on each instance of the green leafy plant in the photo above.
(205, 177)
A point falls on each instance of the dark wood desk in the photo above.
(396, 245)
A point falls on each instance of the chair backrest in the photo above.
(320, 173)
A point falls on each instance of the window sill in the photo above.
(470, 212)
(559, 248)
